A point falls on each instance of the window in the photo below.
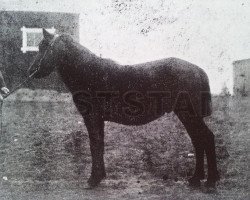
(32, 37)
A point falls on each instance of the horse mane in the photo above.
(84, 53)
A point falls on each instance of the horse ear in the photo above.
(47, 35)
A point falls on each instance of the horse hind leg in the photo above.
(209, 144)
(192, 128)
(203, 140)
(208, 141)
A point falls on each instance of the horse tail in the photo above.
(206, 98)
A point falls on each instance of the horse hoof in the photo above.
(95, 181)
(211, 181)
(194, 182)
(210, 184)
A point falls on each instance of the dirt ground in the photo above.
(39, 158)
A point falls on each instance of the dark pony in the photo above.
(104, 90)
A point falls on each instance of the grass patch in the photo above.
(38, 146)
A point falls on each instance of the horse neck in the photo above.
(77, 55)
(77, 66)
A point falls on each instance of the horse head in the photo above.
(50, 54)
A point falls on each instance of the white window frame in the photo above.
(25, 31)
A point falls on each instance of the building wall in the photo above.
(13, 62)
(242, 77)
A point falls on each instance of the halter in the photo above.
(51, 44)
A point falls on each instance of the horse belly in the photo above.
(137, 114)
(132, 120)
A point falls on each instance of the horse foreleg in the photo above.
(95, 127)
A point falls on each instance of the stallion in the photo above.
(104, 90)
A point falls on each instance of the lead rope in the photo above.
(18, 86)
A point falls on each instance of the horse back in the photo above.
(172, 76)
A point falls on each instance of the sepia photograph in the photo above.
(124, 99)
